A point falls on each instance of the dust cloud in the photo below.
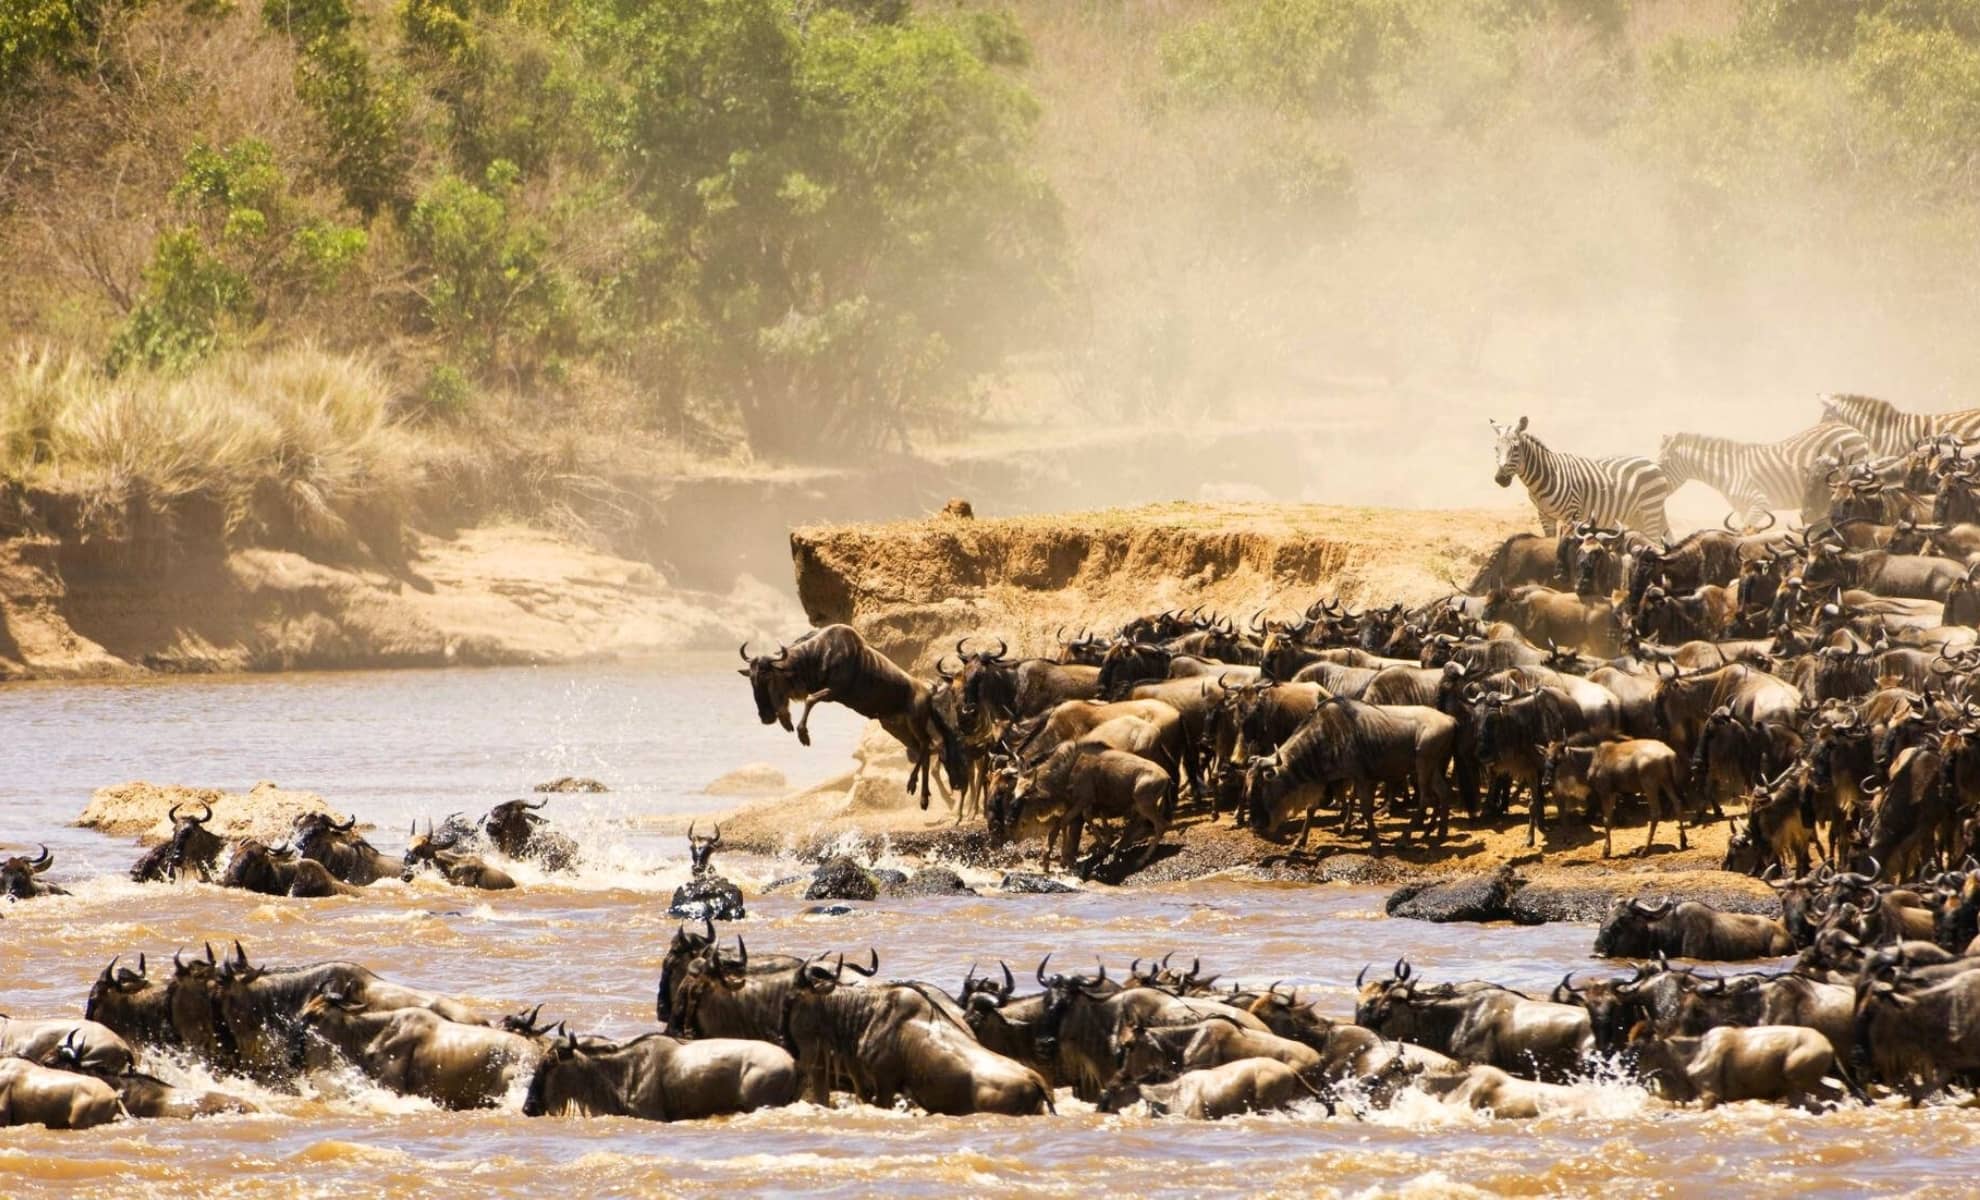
(1552, 221)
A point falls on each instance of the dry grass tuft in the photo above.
(296, 440)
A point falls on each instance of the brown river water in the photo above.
(391, 746)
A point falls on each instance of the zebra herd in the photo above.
(1795, 473)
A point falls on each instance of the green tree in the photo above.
(864, 238)
(247, 245)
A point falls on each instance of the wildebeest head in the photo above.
(1613, 1005)
(192, 848)
(257, 867)
(996, 993)
(315, 831)
(511, 824)
(1509, 451)
(20, 876)
(1061, 990)
(979, 669)
(129, 1002)
(423, 849)
(1631, 929)
(770, 682)
(701, 849)
(1372, 997)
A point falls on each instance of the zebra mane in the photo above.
(1842, 401)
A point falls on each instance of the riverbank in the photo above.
(499, 594)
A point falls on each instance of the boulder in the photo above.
(1030, 884)
(842, 879)
(757, 779)
(710, 897)
(932, 881)
(141, 810)
(1465, 898)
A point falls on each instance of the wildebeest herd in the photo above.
(1819, 681)
(1823, 676)
(740, 1032)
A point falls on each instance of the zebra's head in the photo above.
(1510, 450)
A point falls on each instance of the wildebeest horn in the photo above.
(1010, 984)
(1003, 648)
(744, 651)
(1360, 975)
(707, 926)
(172, 815)
(961, 642)
(349, 824)
(1041, 969)
(1567, 984)
(44, 862)
(871, 969)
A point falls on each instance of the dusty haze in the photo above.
(1548, 221)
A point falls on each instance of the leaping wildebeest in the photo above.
(835, 664)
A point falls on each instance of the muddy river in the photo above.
(394, 746)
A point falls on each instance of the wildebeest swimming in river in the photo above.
(836, 664)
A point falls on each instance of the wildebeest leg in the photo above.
(1367, 789)
(804, 718)
(1656, 810)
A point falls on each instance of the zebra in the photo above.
(1626, 492)
(1890, 430)
(1757, 476)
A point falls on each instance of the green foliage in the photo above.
(447, 393)
(1926, 84)
(1829, 27)
(491, 293)
(34, 32)
(993, 35)
(248, 244)
(1298, 55)
(439, 27)
(307, 20)
(361, 118)
(867, 239)
(189, 297)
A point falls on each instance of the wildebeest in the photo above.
(515, 828)
(1786, 1063)
(192, 849)
(1604, 770)
(321, 837)
(702, 994)
(1082, 781)
(901, 1039)
(659, 1078)
(835, 664)
(436, 851)
(276, 871)
(20, 876)
(259, 1008)
(1212, 1093)
(417, 1052)
(706, 896)
(1478, 1023)
(1636, 929)
(1359, 744)
(93, 1047)
(31, 1094)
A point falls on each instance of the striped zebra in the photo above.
(1892, 431)
(1757, 476)
(1626, 492)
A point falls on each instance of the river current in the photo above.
(393, 747)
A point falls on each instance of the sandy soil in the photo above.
(913, 587)
(504, 594)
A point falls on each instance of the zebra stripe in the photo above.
(1755, 476)
(1890, 430)
(1626, 492)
